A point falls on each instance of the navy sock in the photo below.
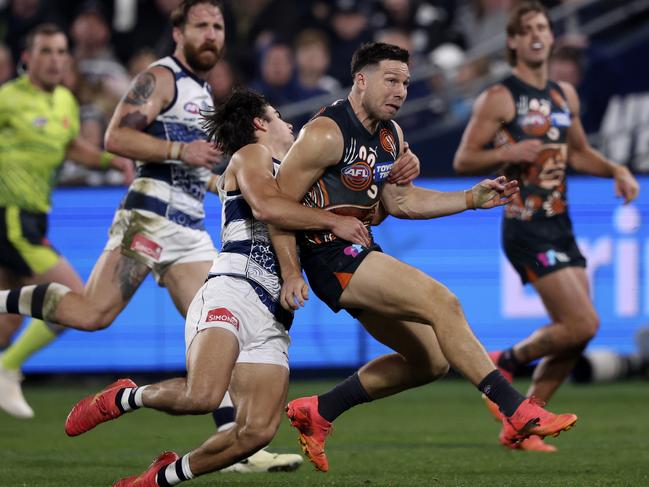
(508, 361)
(223, 415)
(342, 397)
(498, 390)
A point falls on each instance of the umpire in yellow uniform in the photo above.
(39, 129)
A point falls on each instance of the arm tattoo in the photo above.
(135, 120)
(141, 89)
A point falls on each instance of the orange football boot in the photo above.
(96, 409)
(148, 478)
(313, 429)
(531, 419)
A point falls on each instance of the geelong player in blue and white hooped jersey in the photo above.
(236, 330)
(159, 227)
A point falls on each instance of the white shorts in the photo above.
(157, 242)
(232, 304)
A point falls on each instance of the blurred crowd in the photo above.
(288, 50)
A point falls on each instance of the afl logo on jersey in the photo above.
(535, 123)
(387, 142)
(192, 107)
(357, 177)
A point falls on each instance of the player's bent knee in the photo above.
(432, 372)
(97, 320)
(204, 402)
(258, 434)
(440, 369)
(588, 329)
(584, 329)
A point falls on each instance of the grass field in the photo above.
(434, 436)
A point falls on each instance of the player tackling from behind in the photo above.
(535, 128)
(159, 227)
(236, 330)
(340, 162)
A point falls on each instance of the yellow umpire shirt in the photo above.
(35, 130)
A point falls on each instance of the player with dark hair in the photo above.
(236, 330)
(39, 130)
(159, 226)
(340, 162)
(534, 126)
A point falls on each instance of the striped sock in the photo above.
(35, 301)
(175, 473)
(130, 398)
(224, 416)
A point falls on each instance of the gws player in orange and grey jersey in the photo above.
(340, 162)
(534, 125)
(236, 330)
(159, 227)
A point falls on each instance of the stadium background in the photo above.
(457, 51)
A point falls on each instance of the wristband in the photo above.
(175, 150)
(105, 159)
(468, 196)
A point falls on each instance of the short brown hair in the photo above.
(514, 22)
(179, 15)
(47, 29)
(372, 53)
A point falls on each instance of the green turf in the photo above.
(437, 435)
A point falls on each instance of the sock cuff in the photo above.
(175, 472)
(19, 300)
(125, 399)
(137, 397)
(356, 378)
(223, 416)
(187, 472)
(226, 401)
(53, 294)
(485, 384)
(225, 426)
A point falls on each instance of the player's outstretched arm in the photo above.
(415, 203)
(492, 108)
(252, 166)
(584, 158)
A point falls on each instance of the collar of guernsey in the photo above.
(35, 129)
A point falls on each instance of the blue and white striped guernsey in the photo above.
(173, 189)
(247, 251)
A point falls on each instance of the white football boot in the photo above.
(264, 461)
(11, 394)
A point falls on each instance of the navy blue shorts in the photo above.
(539, 247)
(330, 266)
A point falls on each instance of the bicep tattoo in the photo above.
(141, 90)
(135, 120)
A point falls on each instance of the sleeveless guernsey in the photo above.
(541, 115)
(173, 189)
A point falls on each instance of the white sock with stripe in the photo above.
(174, 473)
(130, 398)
